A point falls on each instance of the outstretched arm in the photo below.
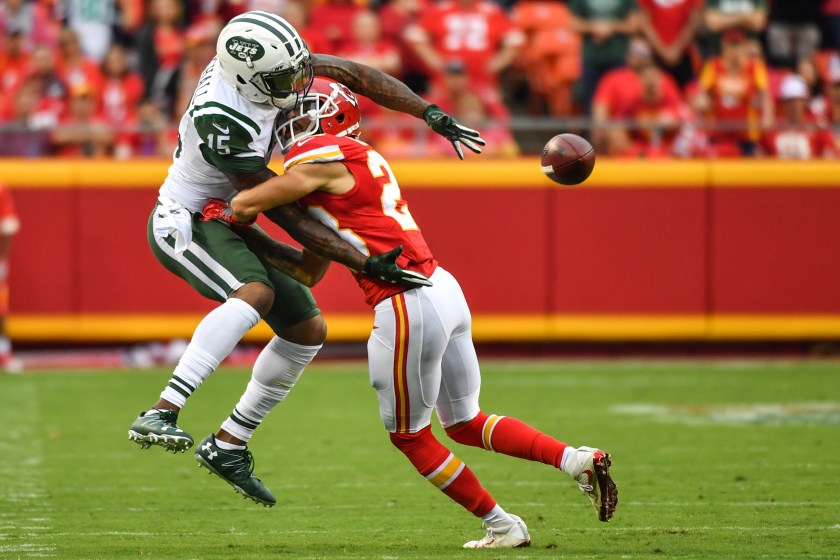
(393, 94)
(383, 89)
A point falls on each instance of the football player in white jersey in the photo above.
(420, 352)
(226, 138)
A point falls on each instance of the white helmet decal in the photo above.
(264, 58)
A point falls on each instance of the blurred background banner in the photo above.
(700, 250)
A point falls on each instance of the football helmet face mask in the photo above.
(264, 58)
(328, 108)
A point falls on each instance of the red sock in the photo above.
(444, 470)
(510, 436)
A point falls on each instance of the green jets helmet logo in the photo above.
(244, 48)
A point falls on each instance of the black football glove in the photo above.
(384, 267)
(452, 130)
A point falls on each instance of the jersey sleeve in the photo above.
(323, 148)
(229, 139)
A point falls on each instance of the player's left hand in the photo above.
(452, 130)
(218, 209)
(384, 267)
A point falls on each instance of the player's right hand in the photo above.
(218, 209)
(384, 267)
(448, 127)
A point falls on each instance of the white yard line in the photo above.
(22, 492)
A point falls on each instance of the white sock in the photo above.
(566, 464)
(228, 446)
(213, 340)
(5, 345)
(497, 516)
(277, 369)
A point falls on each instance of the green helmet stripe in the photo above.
(283, 39)
(285, 25)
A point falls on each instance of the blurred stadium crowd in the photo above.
(642, 78)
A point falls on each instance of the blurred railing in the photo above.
(529, 133)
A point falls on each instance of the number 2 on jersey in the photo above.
(392, 203)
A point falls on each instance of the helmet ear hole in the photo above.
(241, 80)
(340, 118)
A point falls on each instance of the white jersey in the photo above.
(220, 132)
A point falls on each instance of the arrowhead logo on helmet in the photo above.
(329, 107)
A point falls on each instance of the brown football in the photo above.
(568, 159)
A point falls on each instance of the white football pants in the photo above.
(421, 356)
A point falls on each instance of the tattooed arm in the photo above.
(304, 266)
(383, 89)
(310, 233)
(393, 94)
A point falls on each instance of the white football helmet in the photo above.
(264, 58)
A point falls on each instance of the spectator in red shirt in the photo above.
(475, 32)
(368, 46)
(51, 91)
(735, 98)
(297, 14)
(160, 46)
(148, 134)
(14, 64)
(482, 108)
(827, 111)
(671, 27)
(122, 89)
(33, 19)
(200, 48)
(25, 136)
(396, 17)
(83, 132)
(636, 111)
(335, 19)
(74, 66)
(797, 135)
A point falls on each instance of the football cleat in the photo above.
(593, 478)
(513, 534)
(159, 427)
(236, 467)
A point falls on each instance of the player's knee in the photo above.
(256, 294)
(469, 432)
(407, 443)
(311, 332)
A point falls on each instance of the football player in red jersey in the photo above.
(420, 352)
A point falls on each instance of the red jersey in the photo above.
(735, 95)
(802, 143)
(621, 90)
(120, 97)
(372, 216)
(670, 17)
(471, 34)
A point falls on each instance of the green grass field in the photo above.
(713, 460)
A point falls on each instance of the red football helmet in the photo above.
(328, 108)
